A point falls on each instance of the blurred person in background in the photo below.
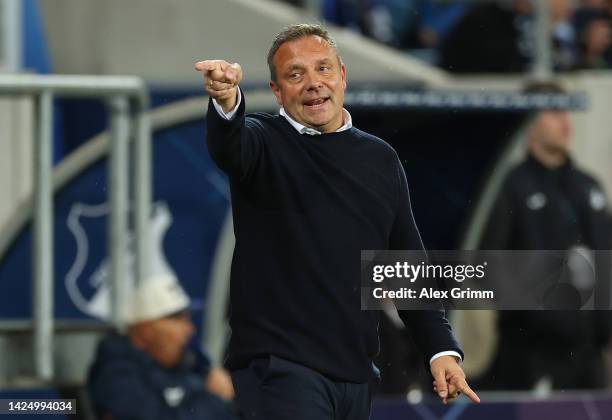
(565, 44)
(431, 25)
(386, 21)
(150, 373)
(390, 21)
(493, 37)
(499, 37)
(351, 14)
(547, 203)
(437, 20)
(309, 192)
(594, 31)
(403, 24)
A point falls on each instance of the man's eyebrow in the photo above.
(294, 67)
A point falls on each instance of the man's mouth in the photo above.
(316, 103)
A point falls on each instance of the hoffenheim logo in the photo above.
(98, 304)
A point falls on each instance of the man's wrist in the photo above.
(453, 353)
(229, 104)
(228, 111)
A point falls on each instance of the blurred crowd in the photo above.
(467, 36)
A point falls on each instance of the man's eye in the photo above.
(294, 75)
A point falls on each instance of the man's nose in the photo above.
(313, 81)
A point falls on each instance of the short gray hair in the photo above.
(297, 31)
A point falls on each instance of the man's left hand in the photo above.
(449, 380)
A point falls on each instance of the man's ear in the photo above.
(343, 74)
(276, 91)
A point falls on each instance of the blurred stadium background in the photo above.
(78, 175)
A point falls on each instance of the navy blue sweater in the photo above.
(304, 207)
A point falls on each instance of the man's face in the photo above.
(168, 337)
(552, 129)
(310, 83)
(598, 36)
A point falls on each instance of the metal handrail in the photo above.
(11, 35)
(128, 101)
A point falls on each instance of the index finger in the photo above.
(462, 386)
(206, 65)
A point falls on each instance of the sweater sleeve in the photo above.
(404, 232)
(430, 329)
(236, 144)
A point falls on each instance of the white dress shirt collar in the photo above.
(302, 129)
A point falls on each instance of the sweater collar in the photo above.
(567, 166)
(302, 129)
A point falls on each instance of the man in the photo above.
(594, 30)
(498, 37)
(309, 191)
(148, 374)
(547, 203)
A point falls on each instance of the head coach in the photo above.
(309, 191)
